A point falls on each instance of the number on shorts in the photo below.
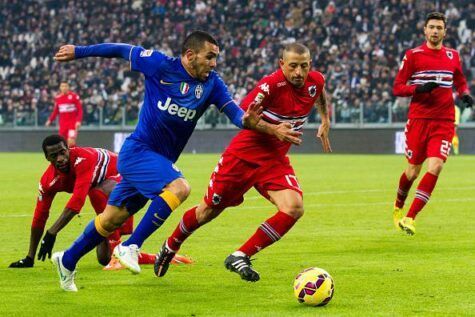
(445, 148)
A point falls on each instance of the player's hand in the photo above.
(252, 116)
(47, 123)
(427, 87)
(322, 134)
(46, 246)
(283, 131)
(467, 100)
(78, 125)
(65, 53)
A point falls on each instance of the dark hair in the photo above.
(53, 140)
(195, 41)
(296, 48)
(436, 16)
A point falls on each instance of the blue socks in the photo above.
(156, 214)
(87, 241)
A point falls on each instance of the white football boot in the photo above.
(66, 277)
(128, 256)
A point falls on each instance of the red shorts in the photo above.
(428, 138)
(233, 177)
(68, 132)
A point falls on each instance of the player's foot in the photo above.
(242, 266)
(128, 256)
(164, 257)
(397, 215)
(66, 277)
(23, 263)
(114, 265)
(408, 225)
(181, 259)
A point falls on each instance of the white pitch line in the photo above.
(379, 203)
(335, 192)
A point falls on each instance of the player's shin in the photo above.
(158, 211)
(93, 234)
(423, 193)
(403, 189)
(269, 232)
(185, 228)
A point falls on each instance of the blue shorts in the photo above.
(144, 173)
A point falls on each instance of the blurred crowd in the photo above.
(356, 44)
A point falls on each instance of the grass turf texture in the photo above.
(347, 230)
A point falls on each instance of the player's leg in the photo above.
(438, 149)
(416, 132)
(456, 143)
(159, 210)
(228, 183)
(191, 220)
(276, 182)
(94, 233)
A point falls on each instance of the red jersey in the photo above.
(69, 108)
(422, 65)
(283, 102)
(88, 167)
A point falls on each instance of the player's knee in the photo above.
(204, 215)
(295, 210)
(180, 188)
(435, 169)
(412, 173)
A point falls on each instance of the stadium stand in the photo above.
(357, 44)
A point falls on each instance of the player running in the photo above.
(68, 105)
(83, 172)
(260, 161)
(427, 74)
(178, 90)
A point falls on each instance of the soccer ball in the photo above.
(314, 286)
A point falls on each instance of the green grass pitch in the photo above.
(347, 229)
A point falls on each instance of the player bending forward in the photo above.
(83, 172)
(427, 74)
(260, 161)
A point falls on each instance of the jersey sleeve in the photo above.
(401, 88)
(55, 112)
(147, 62)
(220, 96)
(79, 108)
(43, 202)
(459, 79)
(84, 174)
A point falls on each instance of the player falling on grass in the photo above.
(82, 171)
(427, 74)
(260, 161)
(69, 108)
(177, 92)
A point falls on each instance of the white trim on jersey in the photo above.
(102, 164)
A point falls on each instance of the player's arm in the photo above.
(73, 207)
(53, 115)
(109, 50)
(406, 69)
(324, 128)
(80, 112)
(462, 87)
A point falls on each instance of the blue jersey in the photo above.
(173, 101)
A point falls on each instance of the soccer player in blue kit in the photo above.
(178, 90)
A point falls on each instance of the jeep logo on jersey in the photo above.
(184, 87)
(198, 91)
(175, 110)
(312, 91)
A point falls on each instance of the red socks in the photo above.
(404, 186)
(185, 228)
(423, 192)
(269, 232)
